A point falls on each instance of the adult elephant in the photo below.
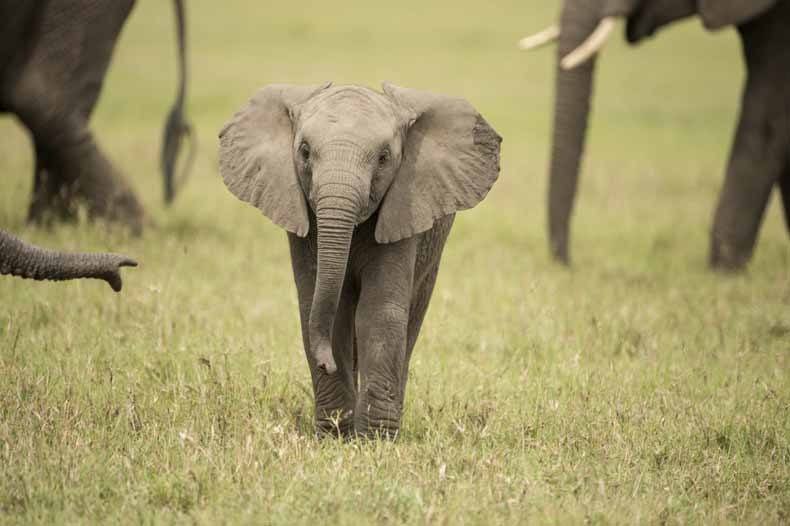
(54, 55)
(760, 156)
(21, 259)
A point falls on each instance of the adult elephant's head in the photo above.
(344, 153)
(582, 31)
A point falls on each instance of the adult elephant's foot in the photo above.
(115, 205)
(51, 201)
(727, 256)
(65, 185)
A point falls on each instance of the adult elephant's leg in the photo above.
(56, 78)
(382, 322)
(49, 198)
(784, 188)
(72, 171)
(755, 163)
(759, 152)
(334, 393)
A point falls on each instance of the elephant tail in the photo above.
(177, 127)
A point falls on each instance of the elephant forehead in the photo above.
(350, 108)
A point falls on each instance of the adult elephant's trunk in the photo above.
(571, 111)
(23, 260)
(337, 209)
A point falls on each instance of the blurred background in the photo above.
(663, 119)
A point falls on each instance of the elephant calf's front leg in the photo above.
(381, 329)
(334, 393)
(333, 404)
(382, 322)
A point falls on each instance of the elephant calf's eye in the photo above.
(304, 152)
(384, 157)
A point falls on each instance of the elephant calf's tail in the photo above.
(176, 126)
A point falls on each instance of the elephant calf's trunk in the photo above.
(336, 218)
(23, 260)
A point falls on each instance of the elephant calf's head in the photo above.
(346, 152)
(348, 145)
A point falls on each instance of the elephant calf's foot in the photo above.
(377, 428)
(377, 418)
(336, 423)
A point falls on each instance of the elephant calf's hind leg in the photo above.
(335, 394)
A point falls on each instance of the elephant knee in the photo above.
(382, 335)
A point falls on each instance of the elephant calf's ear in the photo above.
(721, 13)
(256, 160)
(450, 161)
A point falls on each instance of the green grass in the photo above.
(637, 388)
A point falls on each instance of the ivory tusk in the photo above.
(547, 36)
(591, 46)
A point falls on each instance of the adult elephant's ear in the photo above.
(450, 161)
(256, 157)
(721, 13)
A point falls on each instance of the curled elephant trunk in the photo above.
(337, 210)
(23, 260)
(571, 112)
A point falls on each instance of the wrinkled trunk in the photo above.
(571, 112)
(337, 210)
(23, 260)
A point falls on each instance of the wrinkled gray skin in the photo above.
(760, 156)
(367, 185)
(23, 260)
(53, 59)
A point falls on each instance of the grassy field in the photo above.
(636, 388)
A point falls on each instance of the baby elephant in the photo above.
(367, 185)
